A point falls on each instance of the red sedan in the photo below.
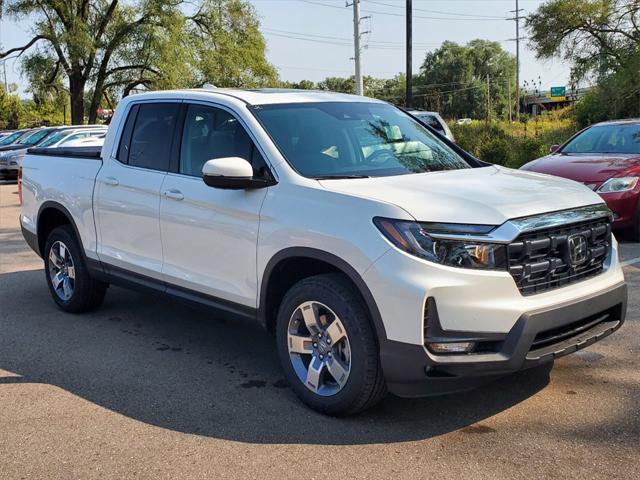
(606, 158)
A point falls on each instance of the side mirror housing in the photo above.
(231, 173)
(554, 148)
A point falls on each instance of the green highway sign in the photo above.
(558, 91)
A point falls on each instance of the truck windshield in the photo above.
(354, 139)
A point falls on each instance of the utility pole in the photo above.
(409, 47)
(356, 45)
(517, 20)
(488, 99)
(509, 99)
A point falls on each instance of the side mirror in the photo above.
(232, 173)
(554, 148)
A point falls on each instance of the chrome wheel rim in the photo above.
(62, 271)
(319, 348)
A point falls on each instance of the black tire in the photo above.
(365, 384)
(88, 293)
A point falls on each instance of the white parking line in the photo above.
(631, 261)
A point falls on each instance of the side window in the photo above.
(151, 137)
(210, 133)
(125, 138)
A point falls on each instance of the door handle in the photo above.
(111, 181)
(174, 194)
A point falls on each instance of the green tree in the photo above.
(453, 80)
(389, 89)
(113, 46)
(10, 111)
(338, 84)
(596, 36)
(601, 40)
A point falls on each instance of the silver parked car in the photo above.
(435, 121)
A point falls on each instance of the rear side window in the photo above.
(125, 139)
(432, 122)
(150, 145)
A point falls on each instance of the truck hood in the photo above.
(587, 168)
(488, 195)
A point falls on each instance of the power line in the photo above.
(475, 16)
(392, 14)
(341, 43)
(334, 38)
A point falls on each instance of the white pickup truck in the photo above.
(381, 255)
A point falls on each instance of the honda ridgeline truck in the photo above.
(381, 255)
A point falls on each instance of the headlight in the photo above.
(412, 238)
(618, 184)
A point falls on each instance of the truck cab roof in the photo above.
(261, 96)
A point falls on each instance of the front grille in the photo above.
(540, 261)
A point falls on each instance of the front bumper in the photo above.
(536, 338)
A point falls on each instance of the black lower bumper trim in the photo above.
(31, 239)
(536, 338)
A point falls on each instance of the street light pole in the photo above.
(409, 47)
(517, 60)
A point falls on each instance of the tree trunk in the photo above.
(95, 103)
(76, 91)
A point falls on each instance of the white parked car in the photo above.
(67, 137)
(435, 121)
(94, 141)
(381, 257)
(11, 156)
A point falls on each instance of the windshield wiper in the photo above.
(338, 177)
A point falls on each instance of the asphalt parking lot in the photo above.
(149, 388)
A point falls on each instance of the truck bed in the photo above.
(64, 177)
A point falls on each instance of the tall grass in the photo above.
(514, 144)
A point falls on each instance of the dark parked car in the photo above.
(606, 158)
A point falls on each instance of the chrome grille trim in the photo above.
(511, 229)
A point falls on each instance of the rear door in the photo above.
(210, 235)
(127, 199)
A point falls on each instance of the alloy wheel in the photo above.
(319, 348)
(62, 271)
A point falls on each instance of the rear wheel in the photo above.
(327, 346)
(71, 286)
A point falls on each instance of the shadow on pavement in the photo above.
(164, 364)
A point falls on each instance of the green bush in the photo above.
(514, 144)
(496, 150)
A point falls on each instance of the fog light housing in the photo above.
(452, 347)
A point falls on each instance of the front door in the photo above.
(210, 235)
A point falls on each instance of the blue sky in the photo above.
(311, 39)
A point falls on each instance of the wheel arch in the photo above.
(52, 215)
(271, 294)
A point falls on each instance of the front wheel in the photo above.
(327, 346)
(71, 286)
